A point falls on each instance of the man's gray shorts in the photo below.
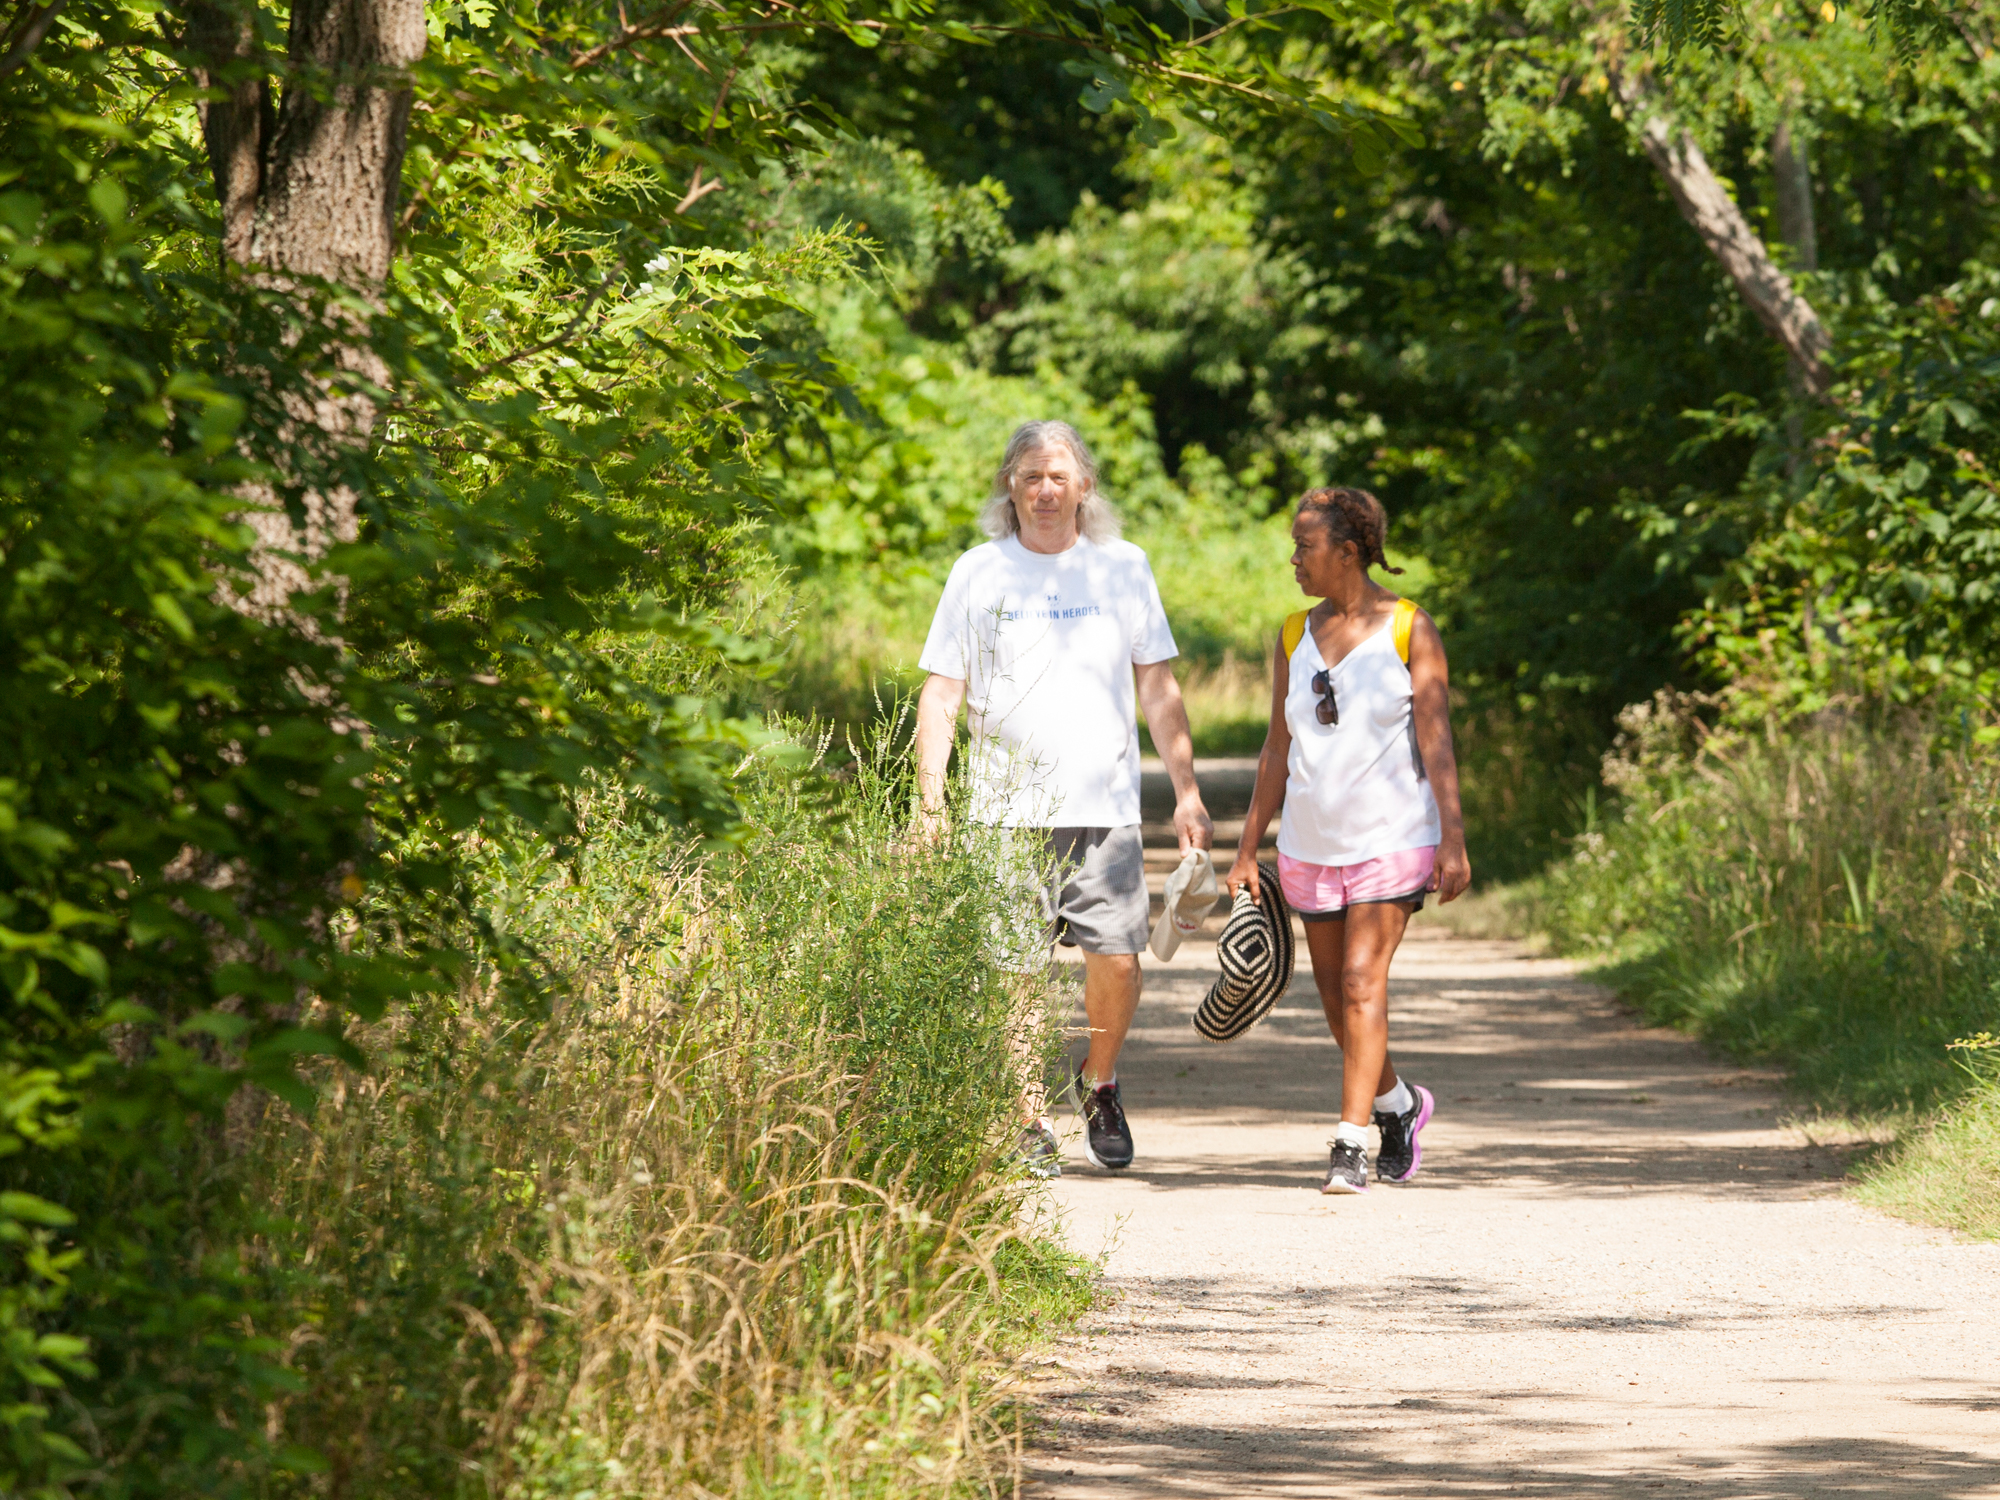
(1094, 896)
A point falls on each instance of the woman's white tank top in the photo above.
(1354, 790)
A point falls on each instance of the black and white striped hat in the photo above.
(1255, 952)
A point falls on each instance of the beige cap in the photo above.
(1191, 896)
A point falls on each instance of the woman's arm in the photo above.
(1269, 793)
(1430, 687)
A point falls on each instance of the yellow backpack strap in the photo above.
(1405, 621)
(1295, 631)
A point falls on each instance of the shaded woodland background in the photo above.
(1589, 446)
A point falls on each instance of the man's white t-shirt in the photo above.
(1046, 643)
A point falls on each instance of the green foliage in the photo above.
(188, 827)
(1907, 26)
(1509, 333)
(1873, 563)
(1177, 295)
(1492, 352)
(1262, 249)
(889, 195)
(1498, 332)
(896, 487)
(236, 838)
(198, 795)
(1008, 114)
(870, 507)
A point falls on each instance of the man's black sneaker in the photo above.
(1347, 1171)
(1039, 1152)
(1401, 1152)
(1107, 1139)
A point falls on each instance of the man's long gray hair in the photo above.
(1095, 518)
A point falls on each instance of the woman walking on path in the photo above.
(1359, 753)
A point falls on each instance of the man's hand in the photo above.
(1192, 824)
(1452, 872)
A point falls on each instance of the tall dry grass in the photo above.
(1826, 895)
(730, 1217)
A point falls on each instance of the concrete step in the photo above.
(1225, 781)
(1163, 846)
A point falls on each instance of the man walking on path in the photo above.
(1043, 634)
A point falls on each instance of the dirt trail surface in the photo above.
(1616, 1274)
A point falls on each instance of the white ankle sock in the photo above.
(1396, 1100)
(1356, 1135)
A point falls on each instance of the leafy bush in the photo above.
(1178, 295)
(1872, 566)
(872, 511)
(196, 796)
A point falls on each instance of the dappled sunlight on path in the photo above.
(1620, 1273)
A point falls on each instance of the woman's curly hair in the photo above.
(1352, 516)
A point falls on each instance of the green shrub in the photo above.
(230, 831)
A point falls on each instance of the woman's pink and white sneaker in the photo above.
(1401, 1152)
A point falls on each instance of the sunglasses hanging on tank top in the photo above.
(1327, 710)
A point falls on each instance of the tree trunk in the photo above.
(1792, 173)
(309, 187)
(1705, 203)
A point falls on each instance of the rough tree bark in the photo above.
(1705, 203)
(307, 183)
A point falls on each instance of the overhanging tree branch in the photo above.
(664, 26)
(1705, 203)
(25, 32)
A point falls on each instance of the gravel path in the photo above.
(1616, 1274)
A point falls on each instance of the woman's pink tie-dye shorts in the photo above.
(1317, 892)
